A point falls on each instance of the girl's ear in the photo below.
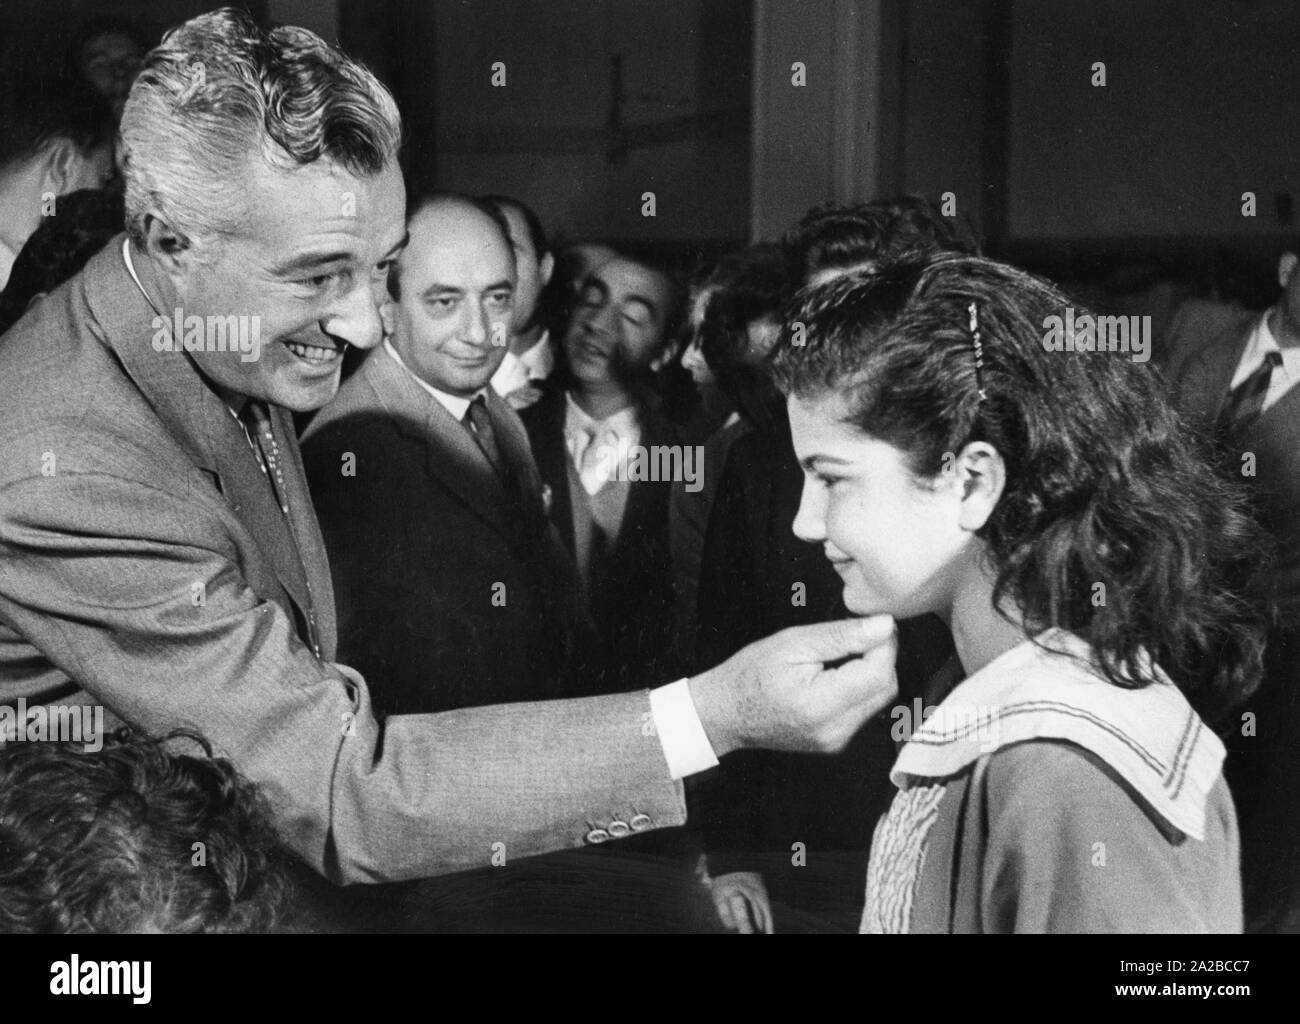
(982, 475)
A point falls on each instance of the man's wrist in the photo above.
(686, 744)
(716, 711)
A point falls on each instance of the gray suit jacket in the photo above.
(144, 566)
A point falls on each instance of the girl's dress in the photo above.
(1038, 797)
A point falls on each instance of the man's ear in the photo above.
(61, 165)
(545, 268)
(1285, 268)
(982, 475)
(170, 249)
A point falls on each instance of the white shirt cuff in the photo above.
(686, 745)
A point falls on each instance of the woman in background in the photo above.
(1049, 506)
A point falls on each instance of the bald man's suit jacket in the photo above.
(144, 565)
(453, 588)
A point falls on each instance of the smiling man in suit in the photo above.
(452, 587)
(1235, 374)
(159, 552)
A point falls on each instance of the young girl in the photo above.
(1050, 507)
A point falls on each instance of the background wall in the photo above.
(992, 101)
(826, 114)
(603, 100)
(1202, 103)
(35, 33)
(692, 99)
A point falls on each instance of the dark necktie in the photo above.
(479, 423)
(1246, 400)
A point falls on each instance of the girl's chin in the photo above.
(861, 600)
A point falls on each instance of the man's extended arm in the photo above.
(101, 575)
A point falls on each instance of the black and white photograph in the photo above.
(606, 467)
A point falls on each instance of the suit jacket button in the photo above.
(597, 835)
(618, 829)
(640, 823)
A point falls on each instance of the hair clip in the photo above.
(979, 350)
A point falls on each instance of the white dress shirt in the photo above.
(1261, 343)
(454, 404)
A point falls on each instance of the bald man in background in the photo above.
(453, 589)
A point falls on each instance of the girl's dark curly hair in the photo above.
(133, 838)
(1105, 483)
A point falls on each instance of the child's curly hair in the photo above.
(1105, 483)
(133, 838)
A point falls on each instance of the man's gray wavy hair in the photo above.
(218, 90)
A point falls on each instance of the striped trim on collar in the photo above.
(1049, 689)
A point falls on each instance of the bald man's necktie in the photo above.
(1246, 401)
(479, 423)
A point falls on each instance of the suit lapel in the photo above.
(646, 506)
(451, 454)
(546, 436)
(199, 420)
(1203, 385)
(512, 440)
(306, 531)
(1278, 417)
(248, 491)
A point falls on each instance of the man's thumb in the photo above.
(843, 638)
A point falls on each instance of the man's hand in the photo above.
(778, 694)
(742, 903)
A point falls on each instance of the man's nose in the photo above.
(355, 318)
(477, 324)
(810, 520)
(601, 320)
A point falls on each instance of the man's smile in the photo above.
(316, 356)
